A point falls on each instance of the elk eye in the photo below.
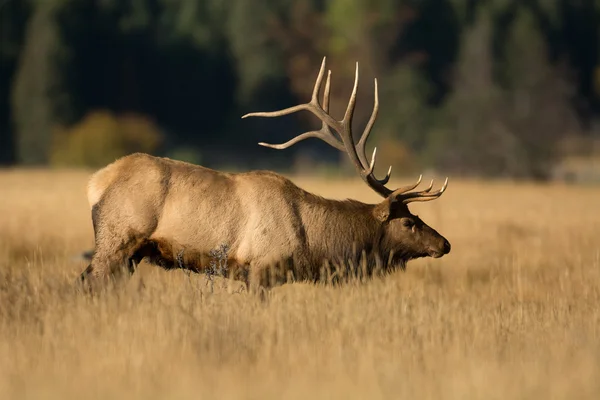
(407, 222)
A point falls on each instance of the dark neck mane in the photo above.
(344, 228)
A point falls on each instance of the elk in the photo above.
(173, 214)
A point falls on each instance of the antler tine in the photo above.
(407, 188)
(330, 140)
(344, 129)
(324, 126)
(327, 92)
(426, 190)
(423, 195)
(312, 106)
(360, 146)
(347, 121)
(317, 88)
(290, 110)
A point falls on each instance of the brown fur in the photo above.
(174, 213)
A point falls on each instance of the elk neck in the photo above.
(344, 228)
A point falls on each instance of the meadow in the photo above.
(512, 312)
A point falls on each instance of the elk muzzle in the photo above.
(441, 249)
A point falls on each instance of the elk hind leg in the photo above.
(119, 233)
(114, 260)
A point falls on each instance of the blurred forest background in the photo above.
(496, 88)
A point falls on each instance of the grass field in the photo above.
(512, 312)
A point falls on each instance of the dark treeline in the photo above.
(494, 87)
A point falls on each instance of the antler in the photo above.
(403, 195)
(356, 152)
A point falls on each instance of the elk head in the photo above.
(403, 234)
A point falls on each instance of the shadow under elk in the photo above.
(173, 214)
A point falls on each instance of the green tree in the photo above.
(34, 80)
(470, 137)
(256, 54)
(404, 117)
(538, 108)
(511, 129)
(13, 20)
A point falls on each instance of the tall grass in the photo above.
(511, 312)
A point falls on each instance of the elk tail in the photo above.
(100, 181)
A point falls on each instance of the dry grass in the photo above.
(511, 312)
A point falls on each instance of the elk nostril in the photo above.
(447, 246)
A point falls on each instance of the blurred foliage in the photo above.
(13, 18)
(488, 87)
(508, 126)
(467, 134)
(538, 99)
(395, 154)
(186, 154)
(101, 137)
(34, 81)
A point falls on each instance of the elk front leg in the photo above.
(263, 277)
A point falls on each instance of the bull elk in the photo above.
(173, 214)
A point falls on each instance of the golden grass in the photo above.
(511, 312)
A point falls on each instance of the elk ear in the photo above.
(383, 210)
